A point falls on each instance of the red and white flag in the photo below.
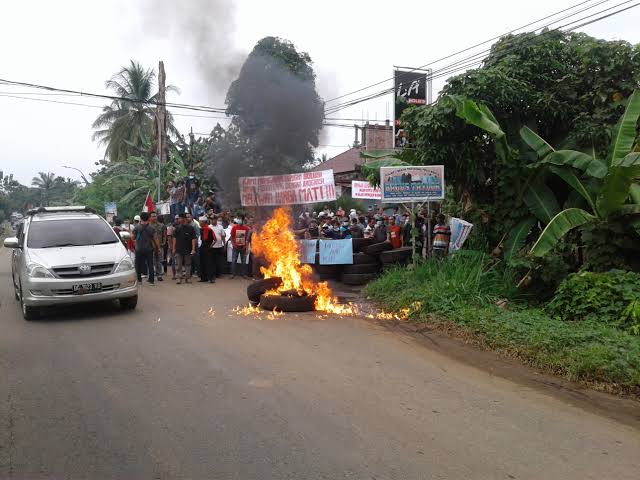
(148, 204)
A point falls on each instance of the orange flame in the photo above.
(277, 244)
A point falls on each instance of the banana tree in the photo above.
(531, 189)
(608, 186)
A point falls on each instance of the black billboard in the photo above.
(410, 89)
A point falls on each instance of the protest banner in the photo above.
(412, 184)
(336, 252)
(297, 188)
(308, 251)
(365, 190)
(460, 230)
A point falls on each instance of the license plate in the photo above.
(86, 288)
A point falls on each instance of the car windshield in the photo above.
(67, 233)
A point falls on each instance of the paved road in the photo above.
(170, 391)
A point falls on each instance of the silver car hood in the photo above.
(69, 256)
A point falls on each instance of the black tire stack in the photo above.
(395, 257)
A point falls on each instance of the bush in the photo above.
(464, 287)
(464, 278)
(608, 297)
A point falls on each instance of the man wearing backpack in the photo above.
(146, 243)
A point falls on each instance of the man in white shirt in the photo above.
(218, 247)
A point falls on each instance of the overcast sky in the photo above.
(80, 44)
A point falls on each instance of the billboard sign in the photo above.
(365, 190)
(297, 188)
(411, 87)
(412, 184)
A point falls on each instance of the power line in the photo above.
(100, 106)
(475, 60)
(446, 70)
(471, 47)
(202, 108)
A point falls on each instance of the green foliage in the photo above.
(371, 169)
(467, 277)
(558, 227)
(581, 161)
(125, 123)
(569, 88)
(541, 201)
(586, 350)
(626, 130)
(517, 238)
(608, 297)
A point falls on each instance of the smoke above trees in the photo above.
(276, 114)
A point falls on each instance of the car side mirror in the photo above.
(125, 235)
(11, 242)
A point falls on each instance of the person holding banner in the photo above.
(441, 237)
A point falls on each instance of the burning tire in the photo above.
(357, 278)
(377, 248)
(258, 288)
(361, 268)
(359, 243)
(284, 303)
(399, 255)
(360, 258)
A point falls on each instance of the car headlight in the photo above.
(35, 270)
(125, 265)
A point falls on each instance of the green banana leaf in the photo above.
(634, 192)
(470, 112)
(617, 183)
(371, 170)
(570, 178)
(558, 227)
(581, 161)
(517, 237)
(625, 132)
(541, 201)
(536, 142)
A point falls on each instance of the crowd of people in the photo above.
(207, 247)
(394, 227)
(198, 239)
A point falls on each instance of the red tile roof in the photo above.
(343, 162)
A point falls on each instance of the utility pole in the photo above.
(191, 149)
(161, 119)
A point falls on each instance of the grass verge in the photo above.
(463, 291)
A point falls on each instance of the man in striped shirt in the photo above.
(441, 237)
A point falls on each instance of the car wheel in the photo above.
(28, 312)
(129, 303)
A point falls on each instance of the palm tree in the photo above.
(45, 183)
(131, 116)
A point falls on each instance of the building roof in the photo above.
(343, 162)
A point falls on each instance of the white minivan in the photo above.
(66, 255)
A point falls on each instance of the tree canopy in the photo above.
(276, 116)
(131, 117)
(568, 87)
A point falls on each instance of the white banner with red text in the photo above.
(296, 188)
(365, 190)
